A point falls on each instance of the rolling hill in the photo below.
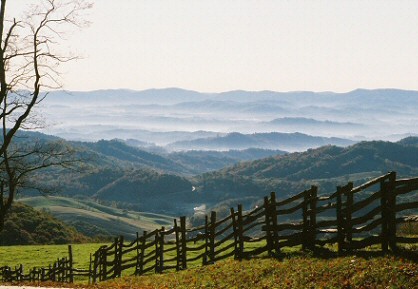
(98, 220)
(102, 195)
(326, 167)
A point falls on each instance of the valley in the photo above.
(124, 190)
(146, 157)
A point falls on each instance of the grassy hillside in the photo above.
(24, 226)
(94, 219)
(295, 272)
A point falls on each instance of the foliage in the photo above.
(25, 225)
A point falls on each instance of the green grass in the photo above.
(295, 272)
(113, 220)
(42, 255)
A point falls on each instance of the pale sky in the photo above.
(221, 45)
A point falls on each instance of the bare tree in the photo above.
(30, 57)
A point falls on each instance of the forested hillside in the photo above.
(127, 178)
(27, 226)
(326, 167)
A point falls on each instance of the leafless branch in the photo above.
(30, 56)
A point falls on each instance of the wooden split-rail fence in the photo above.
(60, 271)
(352, 218)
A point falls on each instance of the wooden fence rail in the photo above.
(60, 271)
(351, 217)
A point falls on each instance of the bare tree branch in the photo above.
(30, 56)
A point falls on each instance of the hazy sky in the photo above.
(213, 46)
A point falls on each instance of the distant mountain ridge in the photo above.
(309, 121)
(273, 140)
(153, 115)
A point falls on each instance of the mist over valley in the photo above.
(169, 151)
(164, 116)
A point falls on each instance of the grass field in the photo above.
(112, 220)
(42, 255)
(295, 270)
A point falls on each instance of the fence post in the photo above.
(34, 275)
(235, 231)
(183, 242)
(312, 216)
(212, 237)
(305, 233)
(383, 203)
(20, 274)
(268, 228)
(103, 260)
(90, 270)
(273, 216)
(95, 266)
(52, 272)
(140, 260)
(391, 198)
(272, 235)
(63, 269)
(115, 259)
(137, 253)
(70, 264)
(340, 222)
(120, 255)
(42, 274)
(240, 233)
(205, 256)
(388, 204)
(161, 250)
(348, 214)
(178, 245)
(157, 252)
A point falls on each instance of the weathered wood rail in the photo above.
(351, 217)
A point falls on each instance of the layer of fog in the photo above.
(162, 117)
